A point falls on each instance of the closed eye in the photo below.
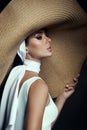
(39, 37)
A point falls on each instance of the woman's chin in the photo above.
(50, 54)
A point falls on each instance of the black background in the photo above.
(3, 4)
(74, 112)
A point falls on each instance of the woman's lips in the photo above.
(49, 48)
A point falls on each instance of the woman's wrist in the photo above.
(60, 101)
(60, 98)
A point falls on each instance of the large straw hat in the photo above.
(67, 26)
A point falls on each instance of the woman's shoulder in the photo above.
(40, 83)
(39, 86)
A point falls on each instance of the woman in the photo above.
(26, 102)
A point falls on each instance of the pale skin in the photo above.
(38, 47)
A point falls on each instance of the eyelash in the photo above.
(39, 37)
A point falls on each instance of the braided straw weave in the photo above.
(66, 23)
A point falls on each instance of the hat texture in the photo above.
(66, 23)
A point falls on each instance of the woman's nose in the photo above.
(49, 39)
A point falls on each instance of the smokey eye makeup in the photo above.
(38, 36)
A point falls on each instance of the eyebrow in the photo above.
(40, 31)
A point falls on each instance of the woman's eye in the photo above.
(39, 37)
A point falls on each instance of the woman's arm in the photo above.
(68, 91)
(61, 99)
(37, 100)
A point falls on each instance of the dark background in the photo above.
(74, 112)
(3, 4)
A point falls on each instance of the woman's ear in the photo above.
(27, 50)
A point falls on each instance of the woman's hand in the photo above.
(69, 88)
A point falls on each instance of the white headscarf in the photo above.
(22, 51)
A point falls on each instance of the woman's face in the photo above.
(39, 45)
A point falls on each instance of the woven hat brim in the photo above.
(20, 18)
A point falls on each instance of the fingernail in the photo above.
(67, 85)
(78, 75)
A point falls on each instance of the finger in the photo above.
(75, 79)
(69, 89)
(78, 75)
(67, 86)
(70, 86)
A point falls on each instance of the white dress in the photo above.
(50, 113)
(13, 106)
